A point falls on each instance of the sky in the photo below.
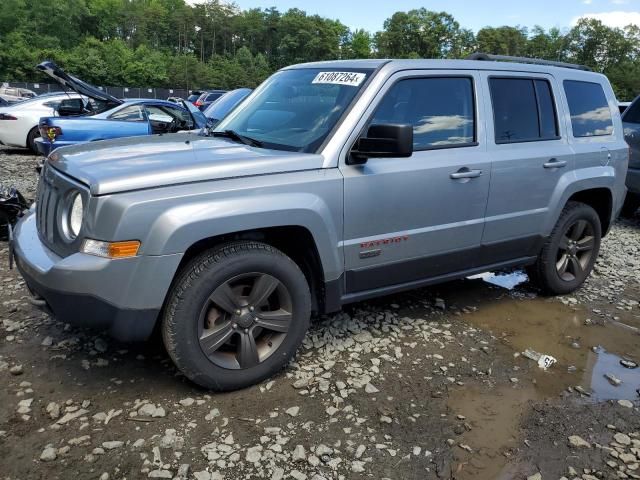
(474, 14)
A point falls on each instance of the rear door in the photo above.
(408, 219)
(529, 155)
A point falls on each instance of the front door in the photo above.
(408, 219)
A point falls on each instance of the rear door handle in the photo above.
(465, 173)
(553, 163)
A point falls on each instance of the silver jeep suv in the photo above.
(332, 183)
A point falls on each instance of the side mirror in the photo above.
(71, 107)
(383, 141)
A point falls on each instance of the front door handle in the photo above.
(553, 163)
(465, 173)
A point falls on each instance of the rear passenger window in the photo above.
(441, 110)
(590, 113)
(523, 110)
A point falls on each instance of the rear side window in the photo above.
(523, 110)
(590, 113)
(441, 110)
(632, 114)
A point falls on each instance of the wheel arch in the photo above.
(601, 200)
(295, 241)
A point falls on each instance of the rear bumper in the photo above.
(45, 147)
(89, 291)
(633, 180)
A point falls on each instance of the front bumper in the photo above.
(123, 297)
(633, 180)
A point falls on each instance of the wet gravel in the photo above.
(426, 384)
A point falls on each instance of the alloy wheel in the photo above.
(575, 250)
(245, 320)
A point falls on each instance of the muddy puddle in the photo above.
(593, 360)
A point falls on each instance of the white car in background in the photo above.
(19, 122)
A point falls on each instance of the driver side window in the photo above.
(440, 109)
(184, 118)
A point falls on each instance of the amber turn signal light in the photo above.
(123, 249)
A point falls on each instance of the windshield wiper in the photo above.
(233, 135)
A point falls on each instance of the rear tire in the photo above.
(568, 255)
(236, 315)
(31, 139)
(631, 204)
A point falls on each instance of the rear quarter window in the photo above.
(589, 109)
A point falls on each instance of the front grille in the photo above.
(53, 188)
(46, 206)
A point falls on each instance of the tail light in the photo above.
(6, 116)
(198, 103)
(49, 132)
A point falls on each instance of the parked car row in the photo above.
(84, 113)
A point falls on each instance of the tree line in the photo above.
(215, 44)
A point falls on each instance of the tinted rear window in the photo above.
(523, 110)
(632, 114)
(590, 113)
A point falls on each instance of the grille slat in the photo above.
(52, 188)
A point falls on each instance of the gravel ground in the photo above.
(427, 384)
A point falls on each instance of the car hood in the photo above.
(135, 163)
(69, 81)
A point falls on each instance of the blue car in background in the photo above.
(227, 102)
(104, 116)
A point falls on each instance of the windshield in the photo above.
(296, 109)
(219, 109)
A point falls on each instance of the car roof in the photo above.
(151, 101)
(421, 64)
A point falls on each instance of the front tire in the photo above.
(236, 315)
(568, 255)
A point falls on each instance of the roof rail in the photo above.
(535, 61)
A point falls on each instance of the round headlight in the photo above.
(75, 215)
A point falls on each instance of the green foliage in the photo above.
(422, 33)
(214, 44)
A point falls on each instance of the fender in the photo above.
(168, 221)
(576, 181)
(180, 227)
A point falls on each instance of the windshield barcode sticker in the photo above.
(340, 78)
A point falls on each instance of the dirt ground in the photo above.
(429, 384)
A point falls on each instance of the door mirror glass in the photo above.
(383, 141)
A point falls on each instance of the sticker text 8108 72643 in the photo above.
(340, 78)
